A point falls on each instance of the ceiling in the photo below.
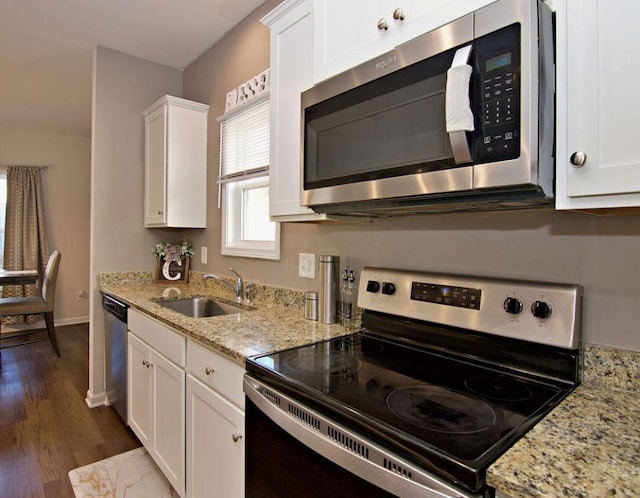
(46, 49)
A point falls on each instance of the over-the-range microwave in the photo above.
(460, 118)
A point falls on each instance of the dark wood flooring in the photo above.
(46, 428)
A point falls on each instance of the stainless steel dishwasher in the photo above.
(116, 354)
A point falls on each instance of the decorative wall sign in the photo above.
(173, 261)
(173, 271)
(248, 91)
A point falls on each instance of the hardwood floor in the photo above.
(46, 428)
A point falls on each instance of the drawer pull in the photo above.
(236, 437)
(147, 363)
(209, 370)
(398, 15)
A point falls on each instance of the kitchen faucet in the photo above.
(237, 289)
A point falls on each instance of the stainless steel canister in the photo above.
(311, 305)
(328, 270)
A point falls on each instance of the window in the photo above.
(244, 183)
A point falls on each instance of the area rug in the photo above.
(133, 474)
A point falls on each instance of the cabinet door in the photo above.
(215, 447)
(169, 421)
(139, 389)
(347, 34)
(291, 74)
(596, 43)
(426, 16)
(155, 167)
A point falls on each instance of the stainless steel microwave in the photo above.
(460, 118)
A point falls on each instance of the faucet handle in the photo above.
(247, 291)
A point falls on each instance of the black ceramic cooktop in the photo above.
(449, 414)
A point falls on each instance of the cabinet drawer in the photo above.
(158, 336)
(216, 371)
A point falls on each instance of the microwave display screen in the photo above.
(498, 62)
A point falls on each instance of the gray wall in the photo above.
(598, 252)
(123, 86)
(66, 199)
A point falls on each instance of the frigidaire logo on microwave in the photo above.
(386, 62)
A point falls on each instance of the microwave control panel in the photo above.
(497, 93)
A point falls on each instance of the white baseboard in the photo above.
(94, 400)
(19, 327)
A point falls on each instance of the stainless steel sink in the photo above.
(200, 307)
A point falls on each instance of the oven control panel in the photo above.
(448, 295)
(547, 313)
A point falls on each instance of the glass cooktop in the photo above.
(437, 409)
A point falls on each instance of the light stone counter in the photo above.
(275, 321)
(589, 445)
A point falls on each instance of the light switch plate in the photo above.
(307, 265)
(203, 255)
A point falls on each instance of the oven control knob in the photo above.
(541, 309)
(388, 288)
(373, 286)
(513, 305)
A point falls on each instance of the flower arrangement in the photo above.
(171, 251)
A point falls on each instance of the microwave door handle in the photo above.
(459, 117)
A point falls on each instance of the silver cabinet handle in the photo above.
(209, 370)
(147, 363)
(383, 25)
(398, 14)
(236, 437)
(578, 159)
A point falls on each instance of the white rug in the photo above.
(133, 474)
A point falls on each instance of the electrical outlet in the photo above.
(307, 265)
(203, 255)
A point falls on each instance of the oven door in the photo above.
(292, 450)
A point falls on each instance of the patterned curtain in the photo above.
(25, 243)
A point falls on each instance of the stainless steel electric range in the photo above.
(444, 375)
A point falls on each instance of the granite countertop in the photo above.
(274, 322)
(587, 447)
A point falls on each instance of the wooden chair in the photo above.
(38, 304)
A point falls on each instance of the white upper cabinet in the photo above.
(291, 55)
(349, 33)
(176, 164)
(598, 163)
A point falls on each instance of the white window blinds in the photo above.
(244, 143)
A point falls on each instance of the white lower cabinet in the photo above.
(186, 405)
(215, 425)
(156, 394)
(215, 446)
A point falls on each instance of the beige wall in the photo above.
(123, 86)
(66, 206)
(601, 253)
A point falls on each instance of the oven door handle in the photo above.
(458, 113)
(346, 448)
